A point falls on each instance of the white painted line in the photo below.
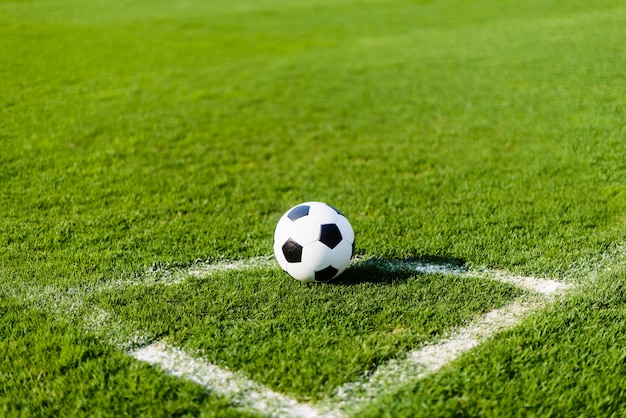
(204, 269)
(122, 334)
(534, 284)
(169, 276)
(73, 303)
(411, 265)
(242, 391)
(420, 363)
(350, 397)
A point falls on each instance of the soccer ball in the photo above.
(313, 242)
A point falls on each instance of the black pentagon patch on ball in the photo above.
(330, 235)
(325, 274)
(298, 212)
(292, 251)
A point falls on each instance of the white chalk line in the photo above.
(417, 364)
(241, 391)
(387, 378)
(72, 305)
(348, 398)
(245, 393)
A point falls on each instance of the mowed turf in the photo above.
(305, 340)
(484, 132)
(566, 361)
(51, 368)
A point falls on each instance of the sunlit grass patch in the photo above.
(301, 339)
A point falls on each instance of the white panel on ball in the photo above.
(300, 271)
(305, 231)
(341, 256)
(322, 213)
(283, 229)
(317, 256)
(346, 229)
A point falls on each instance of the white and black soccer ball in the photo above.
(313, 242)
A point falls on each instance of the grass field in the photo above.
(144, 142)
